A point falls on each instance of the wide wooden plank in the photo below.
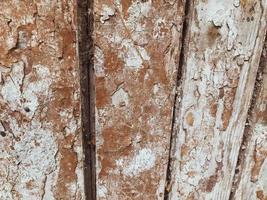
(136, 58)
(222, 53)
(251, 177)
(40, 144)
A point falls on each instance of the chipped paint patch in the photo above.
(99, 62)
(106, 13)
(134, 56)
(120, 98)
(144, 160)
(102, 191)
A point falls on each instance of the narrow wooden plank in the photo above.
(251, 177)
(222, 53)
(40, 144)
(136, 55)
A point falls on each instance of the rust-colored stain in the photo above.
(259, 156)
(209, 183)
(68, 39)
(30, 185)
(125, 6)
(227, 113)
(117, 142)
(212, 34)
(191, 196)
(213, 108)
(190, 119)
(246, 3)
(112, 63)
(102, 95)
(229, 95)
(185, 150)
(260, 195)
(68, 164)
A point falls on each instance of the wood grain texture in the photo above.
(136, 56)
(40, 144)
(251, 177)
(146, 53)
(222, 54)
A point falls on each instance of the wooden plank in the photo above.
(136, 56)
(41, 155)
(250, 180)
(222, 54)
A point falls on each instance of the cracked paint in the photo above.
(40, 150)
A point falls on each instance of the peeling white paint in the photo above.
(102, 191)
(11, 88)
(33, 89)
(159, 24)
(134, 56)
(120, 98)
(137, 11)
(106, 13)
(99, 62)
(142, 161)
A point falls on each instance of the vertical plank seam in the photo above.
(178, 92)
(85, 20)
(249, 123)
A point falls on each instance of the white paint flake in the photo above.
(102, 191)
(99, 62)
(33, 88)
(106, 13)
(133, 56)
(120, 98)
(144, 160)
(11, 88)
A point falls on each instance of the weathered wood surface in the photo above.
(136, 57)
(222, 53)
(149, 63)
(40, 148)
(251, 177)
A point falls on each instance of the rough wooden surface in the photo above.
(40, 155)
(222, 54)
(251, 177)
(136, 56)
(195, 59)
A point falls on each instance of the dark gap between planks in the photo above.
(85, 20)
